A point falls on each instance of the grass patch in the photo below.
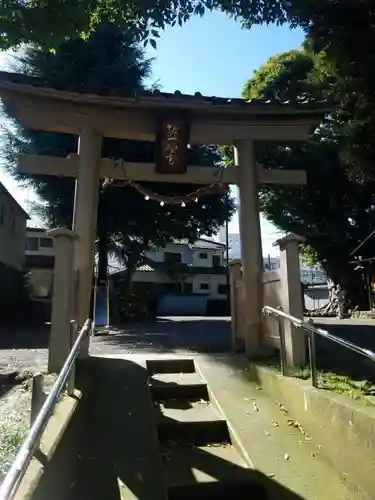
(362, 391)
(12, 435)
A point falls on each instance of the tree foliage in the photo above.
(335, 211)
(127, 223)
(50, 22)
(342, 30)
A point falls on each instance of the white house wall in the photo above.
(214, 280)
(45, 251)
(189, 255)
(199, 262)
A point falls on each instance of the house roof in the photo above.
(4, 190)
(155, 98)
(203, 243)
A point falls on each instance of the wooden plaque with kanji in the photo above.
(172, 138)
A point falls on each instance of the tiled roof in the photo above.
(145, 267)
(202, 243)
(173, 98)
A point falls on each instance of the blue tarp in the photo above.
(101, 306)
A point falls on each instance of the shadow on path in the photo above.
(165, 335)
(120, 456)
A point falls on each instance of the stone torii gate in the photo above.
(156, 116)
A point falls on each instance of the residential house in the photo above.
(186, 278)
(39, 260)
(13, 219)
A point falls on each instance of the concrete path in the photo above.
(167, 335)
(293, 466)
(279, 451)
(276, 449)
(28, 349)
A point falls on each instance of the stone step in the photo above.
(182, 386)
(209, 472)
(190, 422)
(170, 366)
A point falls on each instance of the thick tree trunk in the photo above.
(356, 297)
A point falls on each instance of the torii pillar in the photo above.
(84, 222)
(251, 243)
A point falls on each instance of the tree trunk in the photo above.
(131, 265)
(353, 284)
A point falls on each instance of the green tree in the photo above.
(335, 211)
(47, 22)
(127, 223)
(342, 30)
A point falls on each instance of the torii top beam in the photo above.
(212, 120)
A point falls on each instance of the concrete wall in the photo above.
(12, 231)
(271, 297)
(343, 427)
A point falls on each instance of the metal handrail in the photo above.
(26, 452)
(312, 331)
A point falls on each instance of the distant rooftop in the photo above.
(203, 243)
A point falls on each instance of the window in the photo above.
(188, 287)
(172, 257)
(203, 255)
(32, 243)
(216, 261)
(223, 289)
(46, 242)
(204, 286)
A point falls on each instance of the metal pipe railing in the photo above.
(312, 331)
(26, 452)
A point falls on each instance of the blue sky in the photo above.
(214, 56)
